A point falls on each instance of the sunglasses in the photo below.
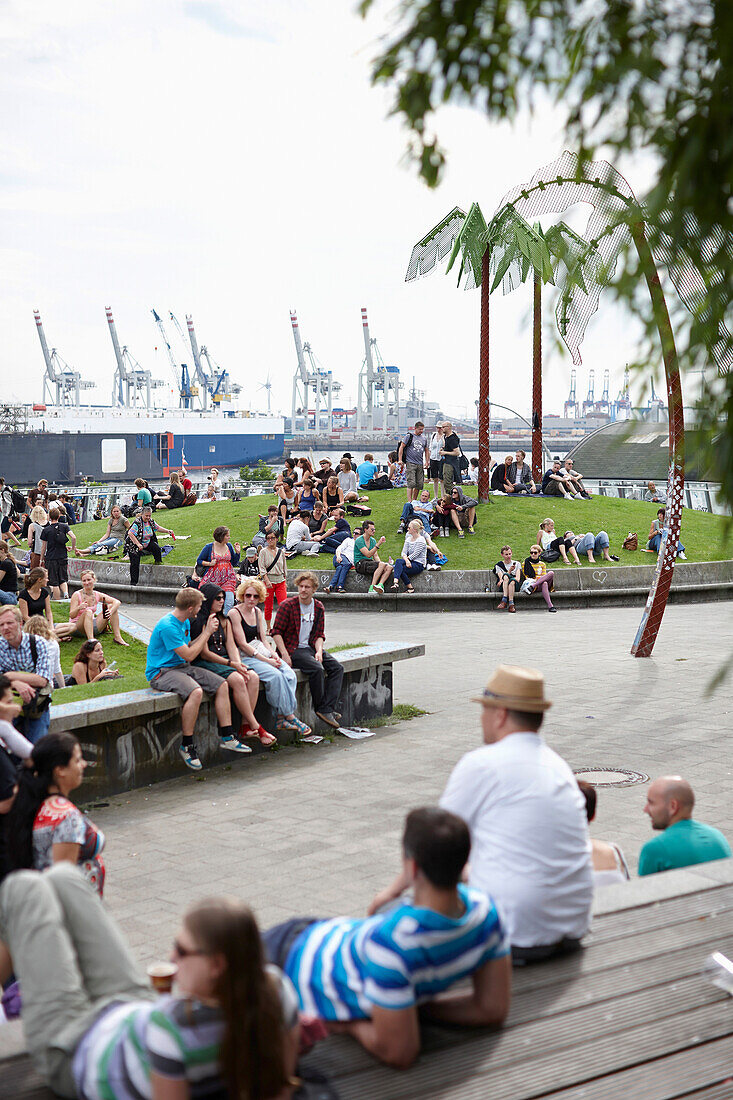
(251, 596)
(186, 952)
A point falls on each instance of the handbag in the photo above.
(550, 555)
(631, 542)
(41, 701)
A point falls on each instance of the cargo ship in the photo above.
(102, 443)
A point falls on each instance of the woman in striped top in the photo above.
(96, 1031)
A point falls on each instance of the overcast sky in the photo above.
(231, 160)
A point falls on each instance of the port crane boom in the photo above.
(61, 384)
(132, 385)
(183, 381)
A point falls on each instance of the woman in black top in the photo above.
(175, 496)
(35, 599)
(8, 575)
(333, 495)
(221, 656)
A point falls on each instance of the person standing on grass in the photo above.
(299, 634)
(508, 574)
(414, 451)
(450, 452)
(274, 574)
(219, 559)
(170, 668)
(39, 520)
(143, 537)
(54, 556)
(367, 560)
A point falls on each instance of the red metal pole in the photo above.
(537, 381)
(484, 411)
(656, 602)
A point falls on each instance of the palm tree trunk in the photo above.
(484, 411)
(537, 381)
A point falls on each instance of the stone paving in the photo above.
(315, 829)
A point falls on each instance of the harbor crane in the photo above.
(61, 384)
(309, 376)
(604, 405)
(571, 405)
(132, 386)
(186, 391)
(590, 401)
(215, 382)
(623, 401)
(376, 380)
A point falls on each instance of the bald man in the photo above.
(682, 841)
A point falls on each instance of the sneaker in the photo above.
(313, 550)
(461, 535)
(614, 557)
(551, 609)
(401, 529)
(233, 744)
(431, 567)
(681, 554)
(328, 717)
(372, 590)
(189, 757)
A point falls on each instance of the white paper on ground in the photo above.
(356, 733)
(312, 739)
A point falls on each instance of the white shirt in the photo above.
(345, 551)
(529, 834)
(307, 612)
(297, 532)
(436, 442)
(473, 474)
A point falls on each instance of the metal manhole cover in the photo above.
(610, 776)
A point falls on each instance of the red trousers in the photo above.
(281, 591)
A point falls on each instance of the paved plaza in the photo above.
(315, 829)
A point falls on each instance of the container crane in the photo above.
(186, 391)
(214, 382)
(604, 405)
(589, 403)
(309, 376)
(61, 384)
(375, 380)
(571, 405)
(132, 385)
(655, 405)
(623, 401)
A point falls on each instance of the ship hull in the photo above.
(67, 456)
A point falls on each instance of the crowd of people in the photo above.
(500, 875)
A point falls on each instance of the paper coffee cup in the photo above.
(162, 975)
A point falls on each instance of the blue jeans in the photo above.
(342, 571)
(405, 573)
(228, 602)
(8, 597)
(594, 543)
(279, 683)
(110, 544)
(654, 543)
(408, 513)
(34, 728)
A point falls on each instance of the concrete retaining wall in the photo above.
(132, 738)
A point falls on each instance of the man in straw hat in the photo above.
(530, 850)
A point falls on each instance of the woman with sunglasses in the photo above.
(221, 656)
(538, 577)
(94, 1027)
(259, 654)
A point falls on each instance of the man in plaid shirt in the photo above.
(298, 633)
(25, 674)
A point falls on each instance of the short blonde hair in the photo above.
(38, 515)
(415, 525)
(13, 608)
(38, 624)
(306, 575)
(252, 582)
(84, 572)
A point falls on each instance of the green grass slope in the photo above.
(130, 661)
(501, 521)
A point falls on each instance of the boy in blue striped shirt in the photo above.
(374, 977)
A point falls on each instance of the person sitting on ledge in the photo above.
(508, 576)
(555, 484)
(94, 1026)
(518, 477)
(538, 576)
(171, 654)
(414, 557)
(609, 865)
(375, 978)
(682, 841)
(343, 563)
(90, 664)
(367, 560)
(299, 633)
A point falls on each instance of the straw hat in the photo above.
(516, 689)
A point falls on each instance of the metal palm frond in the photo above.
(435, 245)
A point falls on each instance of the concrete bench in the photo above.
(630, 1015)
(132, 739)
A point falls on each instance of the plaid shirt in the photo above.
(21, 659)
(287, 623)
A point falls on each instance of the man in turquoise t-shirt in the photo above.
(682, 841)
(367, 560)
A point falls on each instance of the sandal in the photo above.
(409, 590)
(265, 737)
(121, 641)
(394, 587)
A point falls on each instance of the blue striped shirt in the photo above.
(341, 968)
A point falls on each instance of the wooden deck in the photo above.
(629, 1018)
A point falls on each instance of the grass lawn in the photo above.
(501, 521)
(131, 663)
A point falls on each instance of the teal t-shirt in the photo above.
(361, 545)
(682, 845)
(144, 496)
(167, 636)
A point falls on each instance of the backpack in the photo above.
(189, 499)
(17, 502)
(631, 542)
(408, 441)
(550, 555)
